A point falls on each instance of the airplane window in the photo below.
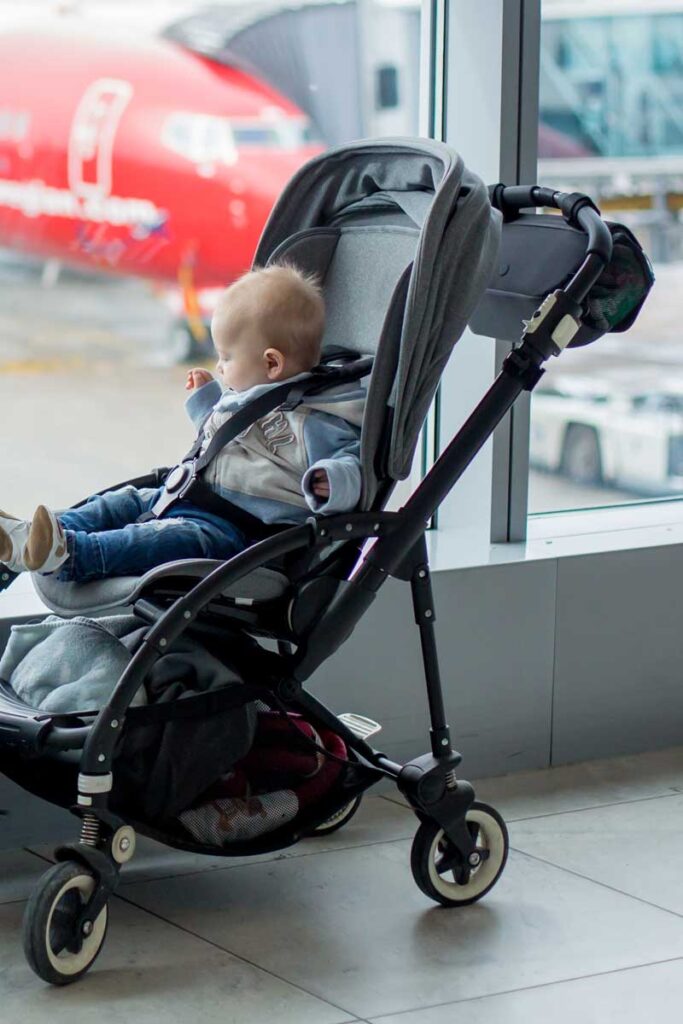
(201, 138)
(14, 124)
(256, 135)
(280, 133)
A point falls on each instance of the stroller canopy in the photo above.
(404, 239)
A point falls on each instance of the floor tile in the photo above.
(593, 783)
(634, 847)
(575, 786)
(19, 871)
(624, 997)
(147, 971)
(352, 928)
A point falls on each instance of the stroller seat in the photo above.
(116, 593)
(369, 236)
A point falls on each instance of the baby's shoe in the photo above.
(45, 550)
(13, 537)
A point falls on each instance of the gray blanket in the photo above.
(61, 665)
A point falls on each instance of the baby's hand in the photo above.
(320, 485)
(197, 378)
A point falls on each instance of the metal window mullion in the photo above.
(518, 165)
(432, 91)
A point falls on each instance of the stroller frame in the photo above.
(429, 782)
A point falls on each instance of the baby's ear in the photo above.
(275, 363)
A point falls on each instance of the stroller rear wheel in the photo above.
(442, 873)
(53, 947)
(339, 819)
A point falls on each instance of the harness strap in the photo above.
(183, 483)
(202, 496)
(289, 396)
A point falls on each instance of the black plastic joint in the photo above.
(520, 366)
(571, 203)
(496, 196)
(288, 689)
(441, 745)
(423, 598)
(511, 199)
(6, 576)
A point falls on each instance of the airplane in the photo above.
(140, 157)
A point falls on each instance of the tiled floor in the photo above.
(586, 924)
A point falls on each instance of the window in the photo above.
(195, 119)
(611, 96)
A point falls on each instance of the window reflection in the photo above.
(135, 180)
(611, 125)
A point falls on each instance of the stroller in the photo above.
(410, 247)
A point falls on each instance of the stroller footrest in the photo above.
(359, 725)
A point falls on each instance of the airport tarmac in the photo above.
(91, 395)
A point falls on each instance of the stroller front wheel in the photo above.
(443, 875)
(54, 949)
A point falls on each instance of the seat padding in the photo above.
(120, 592)
(359, 267)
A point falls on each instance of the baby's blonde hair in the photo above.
(285, 305)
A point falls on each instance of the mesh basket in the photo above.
(281, 776)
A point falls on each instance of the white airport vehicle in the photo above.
(600, 434)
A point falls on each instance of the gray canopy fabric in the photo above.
(457, 244)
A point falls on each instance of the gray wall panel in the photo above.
(27, 820)
(619, 655)
(606, 657)
(497, 681)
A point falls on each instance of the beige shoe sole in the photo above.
(6, 545)
(43, 541)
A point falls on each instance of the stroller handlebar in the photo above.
(577, 209)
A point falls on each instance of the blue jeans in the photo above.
(104, 538)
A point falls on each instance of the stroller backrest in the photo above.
(404, 240)
(359, 267)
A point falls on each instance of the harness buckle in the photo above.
(179, 479)
(178, 482)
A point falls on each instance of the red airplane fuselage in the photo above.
(139, 157)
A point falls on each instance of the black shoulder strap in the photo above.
(291, 393)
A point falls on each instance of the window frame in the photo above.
(495, 127)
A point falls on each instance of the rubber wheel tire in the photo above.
(581, 458)
(491, 835)
(338, 820)
(54, 904)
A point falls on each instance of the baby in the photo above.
(267, 328)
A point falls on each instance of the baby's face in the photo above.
(241, 363)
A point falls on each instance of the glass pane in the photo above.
(607, 421)
(135, 180)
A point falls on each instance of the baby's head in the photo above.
(267, 326)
